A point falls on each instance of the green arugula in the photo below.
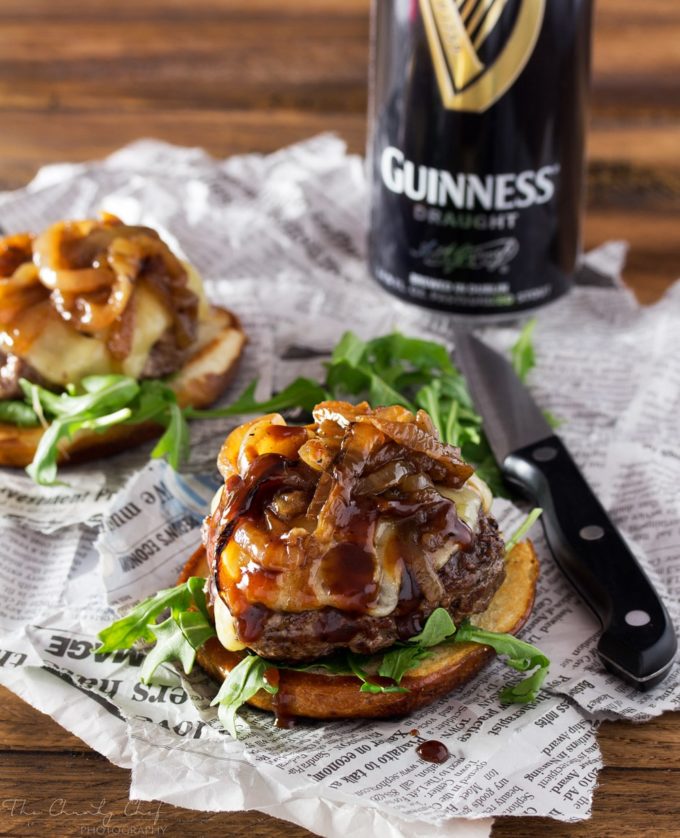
(519, 655)
(188, 627)
(404, 656)
(523, 359)
(523, 529)
(522, 352)
(176, 638)
(356, 666)
(18, 413)
(97, 403)
(302, 393)
(244, 680)
(437, 629)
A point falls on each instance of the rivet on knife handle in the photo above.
(638, 641)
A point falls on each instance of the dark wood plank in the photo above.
(628, 803)
(653, 261)
(82, 793)
(161, 63)
(23, 728)
(206, 54)
(655, 744)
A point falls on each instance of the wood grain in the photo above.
(79, 79)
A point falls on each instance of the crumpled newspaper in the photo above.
(280, 240)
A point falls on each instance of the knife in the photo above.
(638, 641)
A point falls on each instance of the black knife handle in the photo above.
(638, 640)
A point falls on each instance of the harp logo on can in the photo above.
(457, 32)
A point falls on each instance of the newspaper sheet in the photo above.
(280, 240)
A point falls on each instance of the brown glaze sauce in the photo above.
(281, 702)
(250, 622)
(433, 751)
(272, 676)
(348, 571)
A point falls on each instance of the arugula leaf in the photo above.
(519, 655)
(523, 529)
(367, 686)
(196, 585)
(103, 394)
(177, 638)
(551, 419)
(522, 352)
(196, 627)
(152, 402)
(439, 627)
(136, 625)
(349, 348)
(302, 393)
(43, 469)
(389, 352)
(174, 443)
(398, 660)
(97, 403)
(335, 664)
(244, 680)
(429, 398)
(18, 413)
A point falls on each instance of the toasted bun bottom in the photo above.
(320, 696)
(201, 380)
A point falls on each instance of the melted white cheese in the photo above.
(471, 500)
(225, 627)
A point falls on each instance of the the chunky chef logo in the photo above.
(456, 33)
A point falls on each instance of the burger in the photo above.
(94, 298)
(352, 568)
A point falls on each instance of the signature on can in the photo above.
(493, 256)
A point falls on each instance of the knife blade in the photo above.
(638, 641)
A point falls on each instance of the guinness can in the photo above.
(476, 150)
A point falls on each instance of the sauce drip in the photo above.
(433, 751)
(282, 700)
(272, 677)
(251, 621)
(348, 571)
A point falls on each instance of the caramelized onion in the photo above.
(14, 251)
(122, 332)
(341, 413)
(91, 268)
(411, 436)
(384, 478)
(20, 286)
(318, 454)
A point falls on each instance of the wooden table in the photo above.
(80, 78)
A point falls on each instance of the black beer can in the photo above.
(476, 150)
